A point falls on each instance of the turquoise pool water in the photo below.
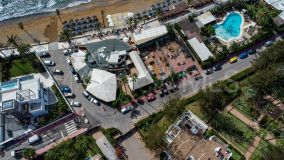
(7, 87)
(230, 28)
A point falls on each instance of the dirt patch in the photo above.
(51, 30)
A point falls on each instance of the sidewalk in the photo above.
(252, 147)
(230, 108)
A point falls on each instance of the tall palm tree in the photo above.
(66, 36)
(59, 15)
(21, 26)
(133, 79)
(13, 42)
(124, 81)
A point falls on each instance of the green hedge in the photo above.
(154, 118)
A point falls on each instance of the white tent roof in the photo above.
(149, 34)
(200, 48)
(205, 18)
(78, 60)
(8, 52)
(103, 85)
(278, 4)
(118, 19)
(143, 78)
(40, 48)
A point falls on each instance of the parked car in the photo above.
(126, 109)
(72, 70)
(208, 71)
(252, 51)
(65, 89)
(217, 67)
(233, 59)
(75, 104)
(67, 52)
(140, 101)
(43, 54)
(77, 79)
(34, 139)
(175, 87)
(69, 95)
(243, 55)
(151, 97)
(268, 43)
(161, 93)
(96, 102)
(86, 94)
(57, 71)
(68, 59)
(49, 62)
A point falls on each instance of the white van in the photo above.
(33, 139)
(75, 104)
(96, 102)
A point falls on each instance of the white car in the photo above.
(69, 95)
(49, 62)
(86, 94)
(43, 54)
(67, 51)
(75, 104)
(125, 110)
(68, 59)
(96, 102)
(76, 78)
(57, 71)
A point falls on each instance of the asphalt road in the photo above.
(108, 117)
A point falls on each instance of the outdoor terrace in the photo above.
(162, 60)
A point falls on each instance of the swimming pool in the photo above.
(230, 28)
(9, 86)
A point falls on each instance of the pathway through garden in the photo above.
(255, 125)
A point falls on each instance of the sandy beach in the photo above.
(47, 27)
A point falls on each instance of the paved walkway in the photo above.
(252, 147)
(230, 108)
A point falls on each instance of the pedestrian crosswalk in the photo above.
(70, 127)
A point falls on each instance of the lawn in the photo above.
(235, 136)
(80, 147)
(260, 150)
(195, 108)
(20, 66)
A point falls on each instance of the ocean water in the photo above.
(18, 8)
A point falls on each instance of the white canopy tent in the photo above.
(103, 85)
(143, 78)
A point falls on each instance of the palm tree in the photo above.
(66, 36)
(21, 26)
(124, 80)
(59, 15)
(133, 79)
(13, 42)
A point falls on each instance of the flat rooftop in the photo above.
(187, 145)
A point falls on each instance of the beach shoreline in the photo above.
(47, 26)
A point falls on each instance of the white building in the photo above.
(204, 19)
(200, 48)
(148, 34)
(25, 95)
(103, 85)
(144, 78)
(79, 63)
(279, 5)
